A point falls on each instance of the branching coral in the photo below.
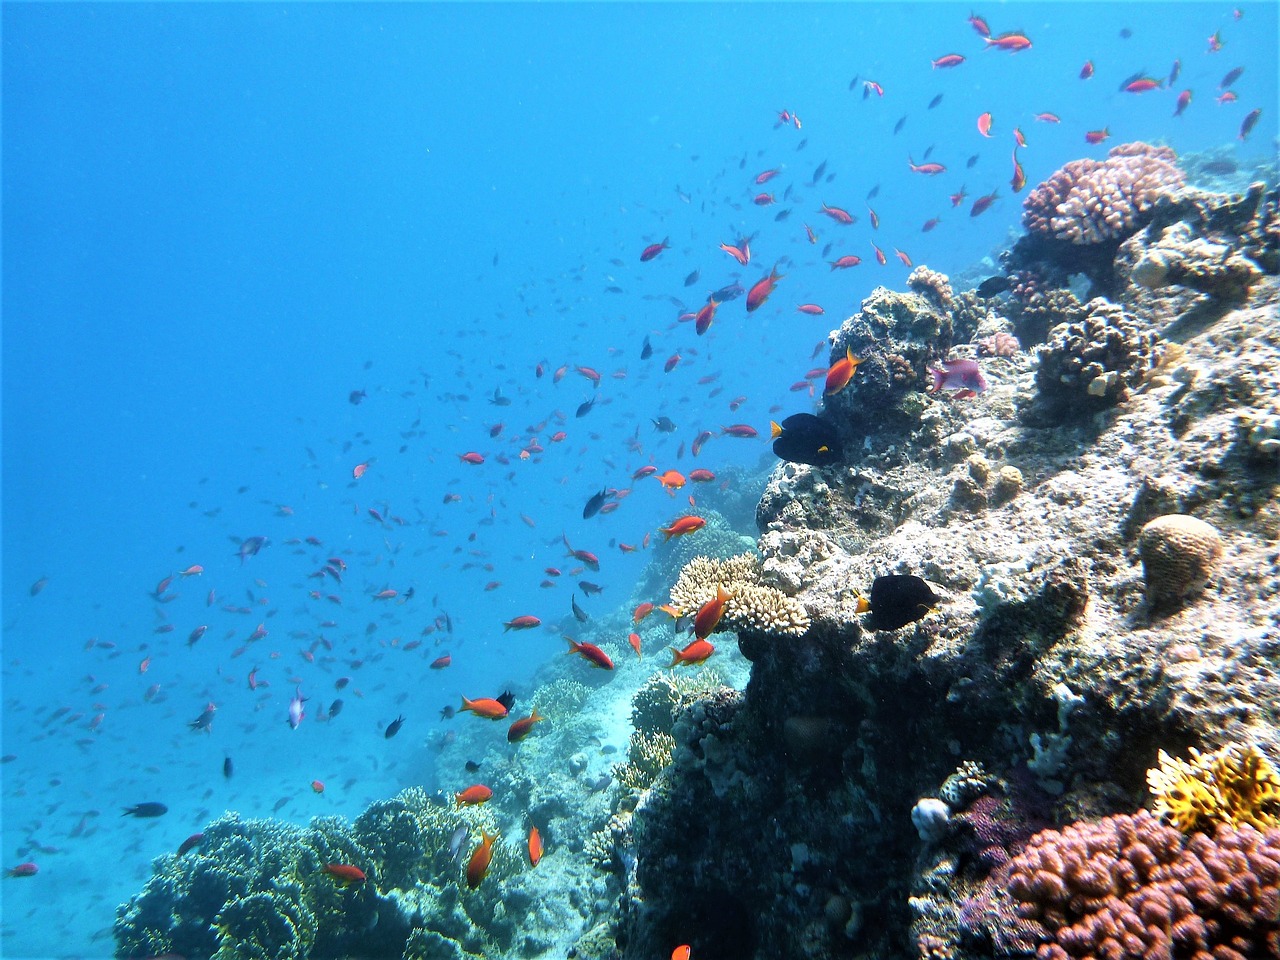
(649, 753)
(1234, 785)
(754, 606)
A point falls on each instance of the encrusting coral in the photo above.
(1235, 785)
(753, 606)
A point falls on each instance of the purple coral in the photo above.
(1132, 887)
(1092, 201)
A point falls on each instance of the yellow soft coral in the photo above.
(1233, 785)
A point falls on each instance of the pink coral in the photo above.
(1092, 201)
(1132, 887)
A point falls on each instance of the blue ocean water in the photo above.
(220, 221)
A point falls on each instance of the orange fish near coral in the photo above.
(535, 846)
(345, 873)
(682, 527)
(634, 640)
(481, 857)
(641, 611)
(841, 373)
(708, 616)
(485, 707)
(695, 653)
(1097, 136)
(672, 480)
(522, 727)
(525, 622)
(591, 653)
(681, 952)
(475, 794)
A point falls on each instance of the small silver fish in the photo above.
(456, 843)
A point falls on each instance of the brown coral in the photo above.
(1131, 887)
(1091, 201)
(1179, 554)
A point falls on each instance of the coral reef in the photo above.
(754, 607)
(1234, 785)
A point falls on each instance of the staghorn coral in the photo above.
(753, 607)
(1091, 202)
(1234, 785)
(1179, 554)
(1094, 363)
(1131, 887)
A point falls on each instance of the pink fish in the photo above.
(963, 376)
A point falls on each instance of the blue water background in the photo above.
(220, 220)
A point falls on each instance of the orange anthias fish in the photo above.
(760, 291)
(1013, 42)
(741, 253)
(682, 527)
(591, 653)
(841, 373)
(672, 480)
(703, 318)
(535, 846)
(634, 640)
(475, 794)
(317, 786)
(984, 124)
(642, 611)
(1019, 177)
(522, 727)
(485, 707)
(653, 249)
(345, 873)
(525, 622)
(708, 616)
(1096, 136)
(358, 470)
(681, 952)
(695, 653)
(481, 857)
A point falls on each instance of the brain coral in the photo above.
(754, 606)
(1092, 201)
(1234, 785)
(1131, 887)
(1179, 554)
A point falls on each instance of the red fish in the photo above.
(930, 224)
(869, 87)
(982, 29)
(949, 60)
(906, 260)
(1142, 85)
(481, 857)
(813, 237)
(1184, 101)
(875, 219)
(474, 795)
(1048, 118)
(880, 257)
(317, 786)
(984, 124)
(708, 616)
(1018, 138)
(485, 707)
(760, 291)
(703, 318)
(701, 476)
(693, 654)
(472, 458)
(1097, 136)
(766, 176)
(439, 663)
(672, 480)
(840, 373)
(741, 253)
(671, 363)
(982, 203)
(1087, 70)
(641, 611)
(22, 870)
(762, 199)
(845, 262)
(653, 249)
(192, 571)
(345, 873)
(634, 640)
(523, 622)
(535, 846)
(682, 527)
(1013, 42)
(838, 215)
(810, 308)
(743, 430)
(706, 435)
(591, 653)
(190, 843)
(1019, 177)
(521, 728)
(928, 169)
(1227, 97)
